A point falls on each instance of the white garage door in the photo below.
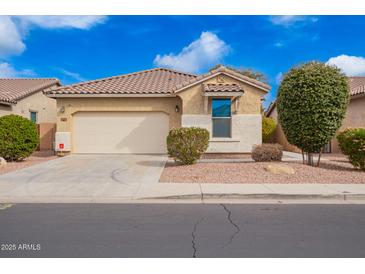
(120, 132)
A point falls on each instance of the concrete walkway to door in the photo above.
(83, 178)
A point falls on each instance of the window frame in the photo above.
(36, 116)
(222, 117)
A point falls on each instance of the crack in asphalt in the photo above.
(237, 228)
(193, 237)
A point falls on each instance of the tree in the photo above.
(312, 102)
(268, 128)
(259, 76)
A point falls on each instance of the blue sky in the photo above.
(78, 48)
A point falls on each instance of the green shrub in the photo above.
(312, 102)
(268, 128)
(267, 153)
(18, 137)
(352, 144)
(186, 145)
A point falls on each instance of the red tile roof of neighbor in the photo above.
(357, 85)
(154, 81)
(12, 89)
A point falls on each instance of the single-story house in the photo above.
(355, 116)
(24, 97)
(133, 113)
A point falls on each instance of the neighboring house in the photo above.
(355, 116)
(25, 97)
(133, 113)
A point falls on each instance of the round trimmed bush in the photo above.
(268, 128)
(18, 137)
(186, 145)
(352, 144)
(312, 102)
(267, 153)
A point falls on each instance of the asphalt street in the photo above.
(182, 230)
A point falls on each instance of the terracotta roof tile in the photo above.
(221, 87)
(223, 69)
(153, 81)
(12, 90)
(357, 85)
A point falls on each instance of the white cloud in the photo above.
(278, 78)
(278, 44)
(289, 20)
(350, 65)
(13, 29)
(7, 71)
(73, 75)
(10, 38)
(58, 22)
(206, 51)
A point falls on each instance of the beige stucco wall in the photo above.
(355, 117)
(249, 103)
(279, 136)
(46, 108)
(246, 119)
(73, 105)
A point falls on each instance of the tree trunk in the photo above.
(319, 157)
(303, 157)
(310, 159)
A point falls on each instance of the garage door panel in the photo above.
(120, 132)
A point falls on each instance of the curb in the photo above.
(276, 196)
(195, 198)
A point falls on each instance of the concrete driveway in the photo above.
(82, 177)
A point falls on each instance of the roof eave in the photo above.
(8, 102)
(272, 106)
(40, 89)
(183, 87)
(359, 95)
(107, 95)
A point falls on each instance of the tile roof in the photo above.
(14, 89)
(221, 87)
(222, 69)
(154, 81)
(357, 85)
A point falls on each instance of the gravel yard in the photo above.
(36, 158)
(335, 170)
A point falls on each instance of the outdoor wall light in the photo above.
(62, 109)
(177, 108)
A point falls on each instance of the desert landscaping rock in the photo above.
(279, 169)
(2, 163)
(335, 171)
